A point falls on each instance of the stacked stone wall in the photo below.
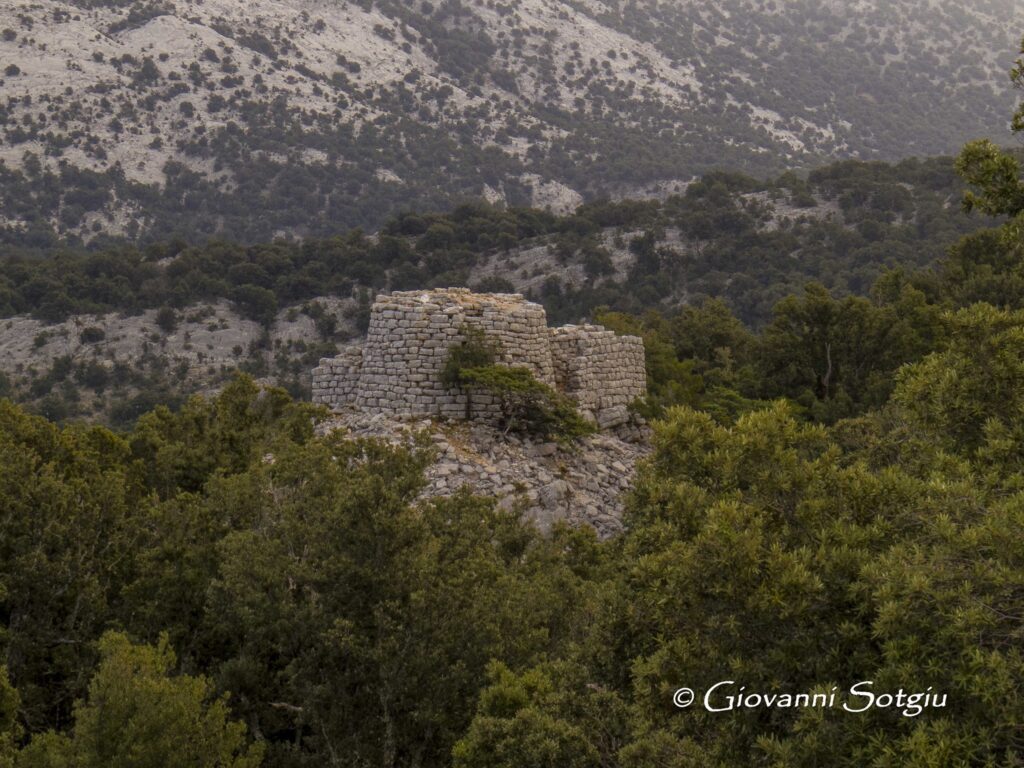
(336, 379)
(602, 371)
(399, 369)
(406, 347)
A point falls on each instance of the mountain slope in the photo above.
(272, 117)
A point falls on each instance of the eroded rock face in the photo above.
(398, 370)
(582, 485)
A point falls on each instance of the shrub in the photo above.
(93, 375)
(475, 351)
(91, 335)
(528, 405)
(167, 319)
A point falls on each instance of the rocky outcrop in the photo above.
(583, 484)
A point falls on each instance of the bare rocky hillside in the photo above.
(149, 118)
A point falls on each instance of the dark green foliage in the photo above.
(10, 729)
(474, 350)
(284, 568)
(526, 404)
(167, 319)
(998, 175)
(137, 714)
(518, 725)
(326, 322)
(734, 255)
(256, 303)
(91, 335)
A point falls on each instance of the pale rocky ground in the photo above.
(583, 484)
(210, 342)
(66, 55)
(73, 84)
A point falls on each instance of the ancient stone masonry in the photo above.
(336, 379)
(603, 372)
(399, 369)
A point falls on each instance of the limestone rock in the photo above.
(582, 485)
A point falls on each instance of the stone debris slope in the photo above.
(582, 485)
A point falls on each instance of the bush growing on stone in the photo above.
(527, 405)
(475, 351)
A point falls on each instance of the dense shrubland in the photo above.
(723, 238)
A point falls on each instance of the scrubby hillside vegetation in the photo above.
(158, 118)
(108, 332)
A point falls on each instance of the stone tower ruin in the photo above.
(399, 368)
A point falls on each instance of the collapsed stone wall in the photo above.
(399, 368)
(603, 372)
(336, 380)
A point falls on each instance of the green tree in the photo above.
(167, 319)
(355, 626)
(68, 504)
(764, 553)
(517, 725)
(10, 730)
(996, 174)
(138, 715)
(837, 356)
(182, 450)
(970, 395)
